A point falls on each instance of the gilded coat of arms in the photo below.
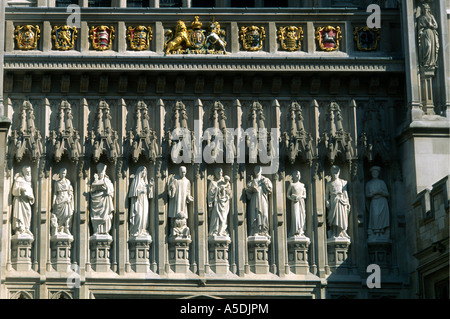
(328, 37)
(252, 37)
(290, 38)
(366, 38)
(102, 37)
(139, 37)
(27, 36)
(64, 37)
(195, 40)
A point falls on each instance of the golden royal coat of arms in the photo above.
(64, 37)
(27, 36)
(139, 37)
(290, 38)
(195, 40)
(101, 37)
(252, 37)
(328, 37)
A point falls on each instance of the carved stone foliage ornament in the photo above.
(27, 36)
(428, 38)
(103, 139)
(25, 138)
(64, 37)
(290, 38)
(366, 38)
(328, 37)
(101, 37)
(142, 139)
(195, 40)
(65, 139)
(297, 142)
(139, 37)
(252, 37)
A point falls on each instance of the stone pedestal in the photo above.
(100, 246)
(380, 252)
(258, 254)
(179, 253)
(218, 253)
(140, 252)
(60, 251)
(21, 251)
(337, 252)
(298, 254)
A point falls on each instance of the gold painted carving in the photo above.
(139, 37)
(101, 37)
(27, 36)
(252, 37)
(328, 37)
(64, 37)
(290, 38)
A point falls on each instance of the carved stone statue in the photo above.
(23, 199)
(377, 192)
(258, 190)
(140, 192)
(102, 206)
(62, 205)
(179, 197)
(338, 205)
(219, 194)
(428, 38)
(297, 194)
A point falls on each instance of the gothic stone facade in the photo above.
(113, 91)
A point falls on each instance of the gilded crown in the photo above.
(196, 24)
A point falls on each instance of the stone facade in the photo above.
(138, 85)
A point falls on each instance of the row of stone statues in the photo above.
(218, 198)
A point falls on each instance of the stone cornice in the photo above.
(197, 63)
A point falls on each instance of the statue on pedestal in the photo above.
(428, 38)
(179, 196)
(140, 192)
(377, 193)
(338, 205)
(258, 190)
(23, 199)
(102, 206)
(297, 194)
(219, 194)
(62, 205)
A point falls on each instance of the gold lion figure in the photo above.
(176, 42)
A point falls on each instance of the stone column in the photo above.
(298, 254)
(258, 254)
(140, 253)
(61, 252)
(218, 254)
(21, 252)
(100, 246)
(338, 253)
